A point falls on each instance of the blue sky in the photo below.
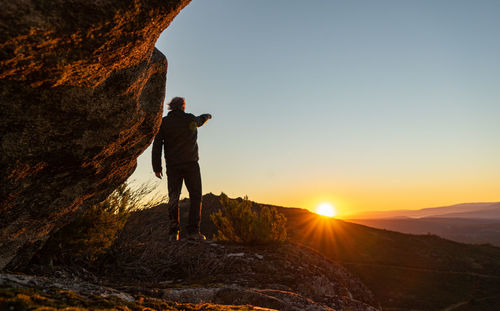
(365, 104)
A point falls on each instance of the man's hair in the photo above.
(176, 103)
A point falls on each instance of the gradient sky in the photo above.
(369, 105)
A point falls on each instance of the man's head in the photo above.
(177, 103)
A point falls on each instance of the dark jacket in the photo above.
(178, 133)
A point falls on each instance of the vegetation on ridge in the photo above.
(239, 223)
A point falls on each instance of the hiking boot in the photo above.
(196, 236)
(173, 236)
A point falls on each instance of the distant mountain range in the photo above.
(474, 231)
(484, 210)
(476, 223)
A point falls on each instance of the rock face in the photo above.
(81, 95)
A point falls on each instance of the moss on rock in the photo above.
(21, 299)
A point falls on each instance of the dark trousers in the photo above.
(190, 174)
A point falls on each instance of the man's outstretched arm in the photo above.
(202, 119)
(156, 153)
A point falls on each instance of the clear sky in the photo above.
(369, 105)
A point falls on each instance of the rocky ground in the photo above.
(23, 292)
(143, 269)
(281, 277)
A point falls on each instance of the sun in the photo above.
(326, 209)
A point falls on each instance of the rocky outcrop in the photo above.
(278, 276)
(81, 95)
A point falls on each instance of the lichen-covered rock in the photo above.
(83, 288)
(81, 95)
(25, 292)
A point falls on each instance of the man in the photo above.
(178, 134)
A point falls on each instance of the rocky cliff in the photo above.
(81, 95)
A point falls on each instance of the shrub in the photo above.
(92, 232)
(241, 224)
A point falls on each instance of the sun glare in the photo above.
(326, 209)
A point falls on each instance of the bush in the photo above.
(92, 232)
(241, 224)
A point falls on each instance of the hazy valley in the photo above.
(477, 223)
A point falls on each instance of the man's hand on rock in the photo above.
(159, 174)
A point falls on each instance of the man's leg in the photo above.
(174, 180)
(192, 177)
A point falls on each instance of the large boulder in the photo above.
(81, 95)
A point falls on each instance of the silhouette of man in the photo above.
(178, 134)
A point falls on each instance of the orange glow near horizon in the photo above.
(326, 209)
(352, 199)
